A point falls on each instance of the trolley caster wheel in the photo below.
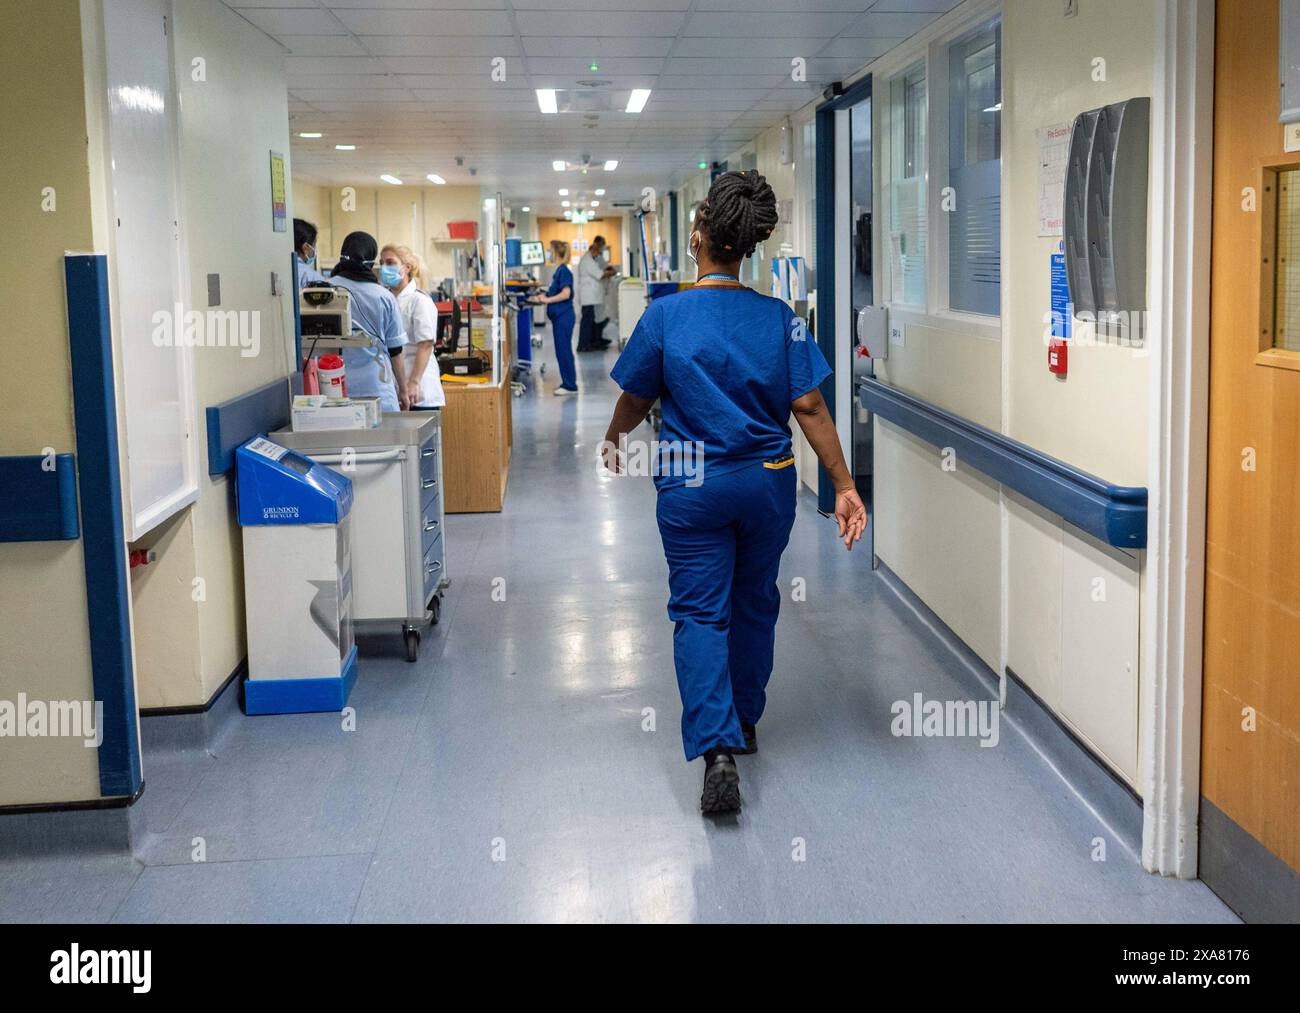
(412, 638)
(542, 371)
(435, 607)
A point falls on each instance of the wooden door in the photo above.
(1251, 717)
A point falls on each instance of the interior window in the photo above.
(908, 225)
(974, 171)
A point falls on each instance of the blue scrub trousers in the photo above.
(562, 334)
(723, 541)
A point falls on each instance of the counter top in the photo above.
(411, 429)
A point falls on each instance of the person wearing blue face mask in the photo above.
(304, 248)
(377, 371)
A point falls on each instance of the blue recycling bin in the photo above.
(294, 513)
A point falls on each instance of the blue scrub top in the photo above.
(307, 273)
(725, 363)
(375, 311)
(561, 279)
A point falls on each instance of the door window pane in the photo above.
(974, 171)
(908, 226)
(1286, 283)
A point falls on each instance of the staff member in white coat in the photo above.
(592, 273)
(401, 271)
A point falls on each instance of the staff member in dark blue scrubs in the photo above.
(729, 366)
(559, 308)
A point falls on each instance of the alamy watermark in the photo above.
(654, 459)
(179, 328)
(921, 718)
(63, 719)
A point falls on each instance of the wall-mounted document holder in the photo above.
(1106, 209)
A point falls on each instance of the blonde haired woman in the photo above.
(559, 308)
(401, 270)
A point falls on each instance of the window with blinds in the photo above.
(1286, 280)
(974, 171)
(908, 227)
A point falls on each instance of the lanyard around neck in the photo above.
(718, 281)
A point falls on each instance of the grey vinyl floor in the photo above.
(529, 766)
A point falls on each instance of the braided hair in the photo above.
(737, 215)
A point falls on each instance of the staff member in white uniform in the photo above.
(401, 271)
(592, 273)
(376, 371)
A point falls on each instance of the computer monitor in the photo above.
(532, 253)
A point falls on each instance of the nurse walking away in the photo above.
(376, 371)
(400, 269)
(559, 309)
(729, 366)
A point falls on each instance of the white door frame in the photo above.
(1179, 335)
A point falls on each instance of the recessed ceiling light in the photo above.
(637, 100)
(600, 191)
(345, 147)
(564, 192)
(568, 214)
(595, 203)
(611, 165)
(546, 100)
(391, 179)
(433, 177)
(558, 165)
(525, 209)
(564, 203)
(310, 133)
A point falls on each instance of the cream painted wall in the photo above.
(44, 643)
(386, 213)
(1097, 418)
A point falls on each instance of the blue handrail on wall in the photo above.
(1115, 514)
(38, 498)
(232, 423)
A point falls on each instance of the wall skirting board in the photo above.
(1116, 807)
(117, 825)
(1249, 878)
(93, 827)
(200, 728)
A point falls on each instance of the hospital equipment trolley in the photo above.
(399, 568)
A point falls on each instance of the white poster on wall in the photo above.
(1053, 154)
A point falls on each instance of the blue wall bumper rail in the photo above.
(38, 498)
(1115, 514)
(233, 423)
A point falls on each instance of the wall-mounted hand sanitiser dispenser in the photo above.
(1106, 209)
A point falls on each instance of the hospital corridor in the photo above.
(767, 462)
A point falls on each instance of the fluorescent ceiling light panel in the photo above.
(558, 165)
(546, 100)
(391, 179)
(433, 177)
(637, 100)
(611, 165)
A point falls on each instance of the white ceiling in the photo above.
(410, 83)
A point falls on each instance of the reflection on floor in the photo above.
(509, 774)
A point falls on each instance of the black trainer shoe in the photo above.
(721, 782)
(751, 740)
